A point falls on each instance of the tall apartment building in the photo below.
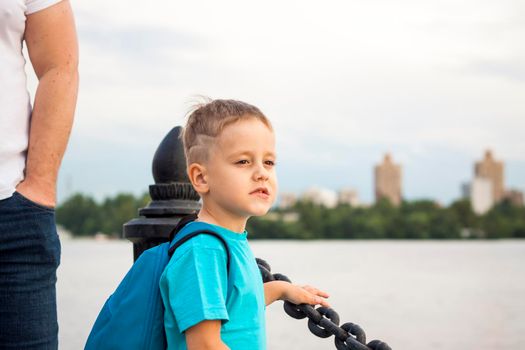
(492, 170)
(388, 181)
(481, 197)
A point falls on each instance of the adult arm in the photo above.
(51, 41)
(205, 335)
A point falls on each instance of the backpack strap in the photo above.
(183, 222)
(206, 232)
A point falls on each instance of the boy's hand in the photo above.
(305, 295)
(281, 290)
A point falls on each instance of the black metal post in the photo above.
(172, 197)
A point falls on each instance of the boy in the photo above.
(230, 154)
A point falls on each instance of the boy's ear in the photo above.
(198, 178)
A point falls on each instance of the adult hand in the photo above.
(38, 192)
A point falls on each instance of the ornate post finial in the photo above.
(172, 196)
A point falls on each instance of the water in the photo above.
(411, 294)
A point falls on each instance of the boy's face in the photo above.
(241, 170)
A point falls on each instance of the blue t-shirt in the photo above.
(195, 286)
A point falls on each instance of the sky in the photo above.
(433, 82)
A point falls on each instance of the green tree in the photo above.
(504, 220)
(462, 210)
(80, 215)
(412, 220)
(118, 210)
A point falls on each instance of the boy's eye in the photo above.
(242, 161)
(270, 162)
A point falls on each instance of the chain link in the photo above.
(324, 322)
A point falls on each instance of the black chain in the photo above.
(323, 321)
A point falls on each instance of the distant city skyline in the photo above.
(486, 188)
(353, 193)
(435, 83)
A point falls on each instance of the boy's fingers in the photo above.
(320, 301)
(316, 291)
(323, 294)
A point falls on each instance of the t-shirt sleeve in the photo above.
(198, 284)
(33, 6)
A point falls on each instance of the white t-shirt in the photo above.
(15, 106)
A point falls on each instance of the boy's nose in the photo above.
(261, 174)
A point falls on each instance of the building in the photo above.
(481, 195)
(492, 170)
(515, 197)
(287, 200)
(465, 190)
(348, 196)
(320, 196)
(388, 181)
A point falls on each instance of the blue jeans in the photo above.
(29, 257)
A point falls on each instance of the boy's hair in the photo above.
(207, 120)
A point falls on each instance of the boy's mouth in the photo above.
(262, 191)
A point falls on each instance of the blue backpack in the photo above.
(133, 316)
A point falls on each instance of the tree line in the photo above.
(422, 219)
(83, 216)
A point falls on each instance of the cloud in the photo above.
(145, 44)
(343, 82)
(511, 69)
